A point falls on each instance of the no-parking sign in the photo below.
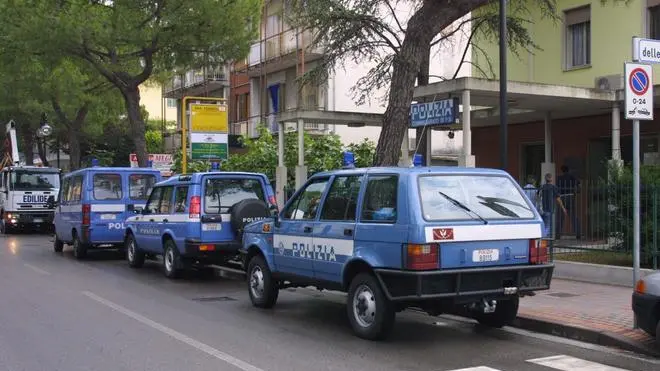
(639, 91)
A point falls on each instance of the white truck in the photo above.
(27, 193)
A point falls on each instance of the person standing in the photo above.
(531, 191)
(568, 189)
(550, 195)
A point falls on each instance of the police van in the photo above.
(453, 240)
(197, 220)
(95, 201)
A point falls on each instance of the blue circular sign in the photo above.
(639, 81)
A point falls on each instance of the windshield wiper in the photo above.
(462, 206)
(504, 201)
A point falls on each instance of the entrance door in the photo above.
(533, 156)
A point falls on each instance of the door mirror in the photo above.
(144, 211)
(51, 203)
(138, 210)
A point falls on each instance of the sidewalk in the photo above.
(588, 312)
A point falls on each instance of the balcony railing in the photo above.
(280, 45)
(197, 77)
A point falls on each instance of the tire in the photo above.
(262, 288)
(505, 312)
(370, 313)
(58, 245)
(657, 335)
(171, 260)
(134, 256)
(79, 249)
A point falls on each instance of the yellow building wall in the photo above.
(151, 97)
(613, 24)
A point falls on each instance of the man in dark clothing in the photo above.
(549, 195)
(568, 188)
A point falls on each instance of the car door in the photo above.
(293, 242)
(62, 227)
(334, 233)
(146, 223)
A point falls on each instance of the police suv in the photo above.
(453, 240)
(197, 220)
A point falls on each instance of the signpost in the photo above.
(639, 106)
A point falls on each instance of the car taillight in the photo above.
(640, 287)
(538, 251)
(272, 200)
(421, 257)
(86, 209)
(195, 207)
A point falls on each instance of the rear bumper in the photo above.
(466, 284)
(645, 308)
(220, 252)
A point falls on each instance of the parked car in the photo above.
(197, 220)
(93, 204)
(646, 305)
(447, 240)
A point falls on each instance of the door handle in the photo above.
(165, 220)
(308, 229)
(348, 232)
(151, 220)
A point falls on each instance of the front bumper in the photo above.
(29, 218)
(466, 283)
(647, 311)
(210, 252)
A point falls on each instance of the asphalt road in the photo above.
(57, 313)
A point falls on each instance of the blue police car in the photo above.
(452, 240)
(197, 219)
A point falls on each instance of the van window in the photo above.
(139, 185)
(180, 199)
(305, 205)
(75, 191)
(154, 201)
(107, 187)
(166, 200)
(341, 202)
(64, 192)
(222, 193)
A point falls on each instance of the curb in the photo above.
(604, 338)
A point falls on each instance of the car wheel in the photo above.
(505, 312)
(134, 256)
(58, 245)
(171, 261)
(79, 249)
(657, 335)
(262, 288)
(371, 314)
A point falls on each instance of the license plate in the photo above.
(108, 216)
(38, 220)
(485, 255)
(211, 227)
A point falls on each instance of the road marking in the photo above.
(478, 368)
(36, 269)
(568, 363)
(175, 334)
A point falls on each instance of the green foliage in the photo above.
(154, 141)
(364, 152)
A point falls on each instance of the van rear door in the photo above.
(107, 207)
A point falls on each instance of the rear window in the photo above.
(491, 197)
(140, 185)
(107, 187)
(220, 194)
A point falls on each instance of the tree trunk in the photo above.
(28, 151)
(138, 128)
(428, 21)
(423, 79)
(74, 128)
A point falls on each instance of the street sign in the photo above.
(639, 91)
(646, 50)
(440, 112)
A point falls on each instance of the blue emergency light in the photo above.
(95, 162)
(417, 159)
(215, 166)
(150, 163)
(348, 160)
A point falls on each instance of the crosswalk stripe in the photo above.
(478, 368)
(568, 363)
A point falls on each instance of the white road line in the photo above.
(568, 363)
(478, 368)
(177, 335)
(36, 269)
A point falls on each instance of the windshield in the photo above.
(491, 197)
(222, 193)
(26, 180)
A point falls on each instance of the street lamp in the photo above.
(44, 130)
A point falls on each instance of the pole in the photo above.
(636, 202)
(503, 80)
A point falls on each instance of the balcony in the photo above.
(196, 82)
(279, 52)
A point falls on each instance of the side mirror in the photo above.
(138, 210)
(51, 203)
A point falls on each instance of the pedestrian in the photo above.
(568, 188)
(531, 191)
(549, 194)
